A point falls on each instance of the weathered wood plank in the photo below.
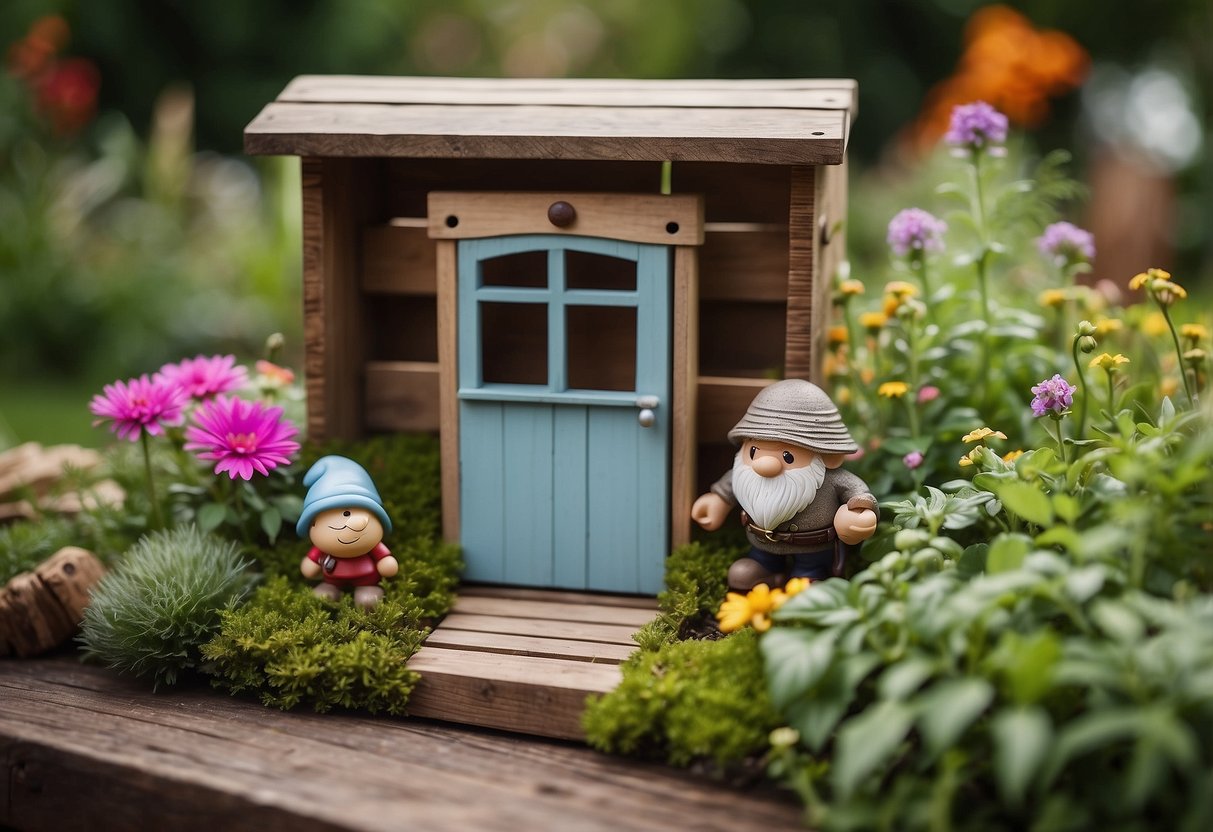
(800, 359)
(764, 136)
(586, 611)
(606, 633)
(744, 263)
(683, 387)
(402, 396)
(398, 259)
(540, 696)
(448, 390)
(83, 749)
(638, 218)
(644, 602)
(552, 648)
(828, 94)
(722, 403)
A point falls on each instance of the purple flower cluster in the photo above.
(914, 229)
(976, 126)
(1066, 243)
(1053, 395)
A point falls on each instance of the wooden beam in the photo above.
(684, 381)
(579, 630)
(448, 393)
(799, 357)
(516, 645)
(744, 262)
(584, 611)
(722, 403)
(637, 218)
(643, 602)
(398, 260)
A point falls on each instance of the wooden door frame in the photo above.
(675, 221)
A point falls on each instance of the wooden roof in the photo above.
(789, 121)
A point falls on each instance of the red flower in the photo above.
(66, 94)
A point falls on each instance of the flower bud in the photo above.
(1087, 344)
(1086, 328)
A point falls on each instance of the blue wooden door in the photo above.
(564, 408)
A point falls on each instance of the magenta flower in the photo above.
(976, 126)
(912, 460)
(243, 436)
(140, 404)
(928, 393)
(913, 230)
(1053, 396)
(1065, 243)
(203, 378)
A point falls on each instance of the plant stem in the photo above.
(238, 493)
(157, 517)
(1179, 354)
(1061, 444)
(1082, 379)
(1111, 399)
(918, 265)
(979, 211)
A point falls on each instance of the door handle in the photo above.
(647, 405)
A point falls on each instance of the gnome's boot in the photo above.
(328, 592)
(367, 596)
(747, 573)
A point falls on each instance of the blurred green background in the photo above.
(133, 232)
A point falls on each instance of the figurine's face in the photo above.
(346, 532)
(770, 459)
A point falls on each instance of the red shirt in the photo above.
(352, 569)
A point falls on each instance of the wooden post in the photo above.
(799, 357)
(685, 386)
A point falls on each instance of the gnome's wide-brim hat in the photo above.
(338, 482)
(797, 412)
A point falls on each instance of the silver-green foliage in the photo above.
(151, 615)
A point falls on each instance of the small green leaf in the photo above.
(1026, 501)
(816, 716)
(1118, 621)
(795, 660)
(271, 523)
(1007, 553)
(973, 561)
(1021, 742)
(210, 516)
(905, 677)
(950, 707)
(1085, 583)
(1067, 507)
(868, 741)
(1063, 536)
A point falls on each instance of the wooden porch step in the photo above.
(525, 660)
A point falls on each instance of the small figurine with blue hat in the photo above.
(344, 517)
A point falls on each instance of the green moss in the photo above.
(289, 647)
(151, 615)
(687, 701)
(696, 583)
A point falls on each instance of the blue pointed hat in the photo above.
(337, 482)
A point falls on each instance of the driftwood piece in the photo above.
(40, 610)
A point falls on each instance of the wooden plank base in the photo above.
(82, 748)
(525, 660)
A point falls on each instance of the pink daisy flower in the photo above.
(243, 436)
(137, 405)
(202, 377)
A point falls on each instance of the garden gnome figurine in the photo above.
(797, 504)
(344, 517)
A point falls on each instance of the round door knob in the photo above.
(561, 214)
(646, 417)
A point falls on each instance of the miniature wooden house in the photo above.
(495, 260)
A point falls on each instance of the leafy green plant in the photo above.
(25, 544)
(151, 615)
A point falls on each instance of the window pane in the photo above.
(514, 343)
(597, 271)
(526, 269)
(601, 347)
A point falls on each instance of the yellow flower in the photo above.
(966, 460)
(753, 608)
(1194, 332)
(1106, 326)
(1108, 362)
(866, 375)
(982, 433)
(1051, 297)
(1168, 386)
(1154, 324)
(1195, 356)
(873, 321)
(890, 306)
(1011, 456)
(837, 335)
(1166, 293)
(851, 287)
(842, 395)
(892, 389)
(1140, 281)
(900, 289)
(795, 586)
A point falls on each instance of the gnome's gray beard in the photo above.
(773, 500)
